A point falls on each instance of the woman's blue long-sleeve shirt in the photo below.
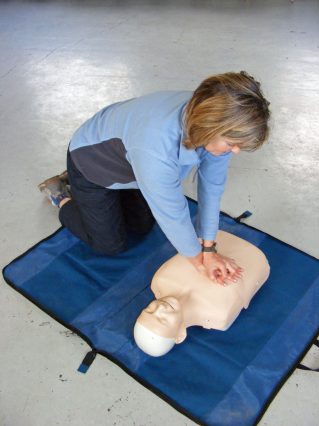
(138, 144)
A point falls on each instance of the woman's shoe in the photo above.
(64, 177)
(54, 189)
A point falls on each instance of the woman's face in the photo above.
(221, 145)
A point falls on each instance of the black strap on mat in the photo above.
(243, 216)
(304, 367)
(87, 361)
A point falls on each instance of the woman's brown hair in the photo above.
(230, 105)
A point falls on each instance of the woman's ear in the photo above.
(181, 336)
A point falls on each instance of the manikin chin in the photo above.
(184, 297)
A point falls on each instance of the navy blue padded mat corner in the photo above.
(220, 378)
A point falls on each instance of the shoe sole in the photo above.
(42, 186)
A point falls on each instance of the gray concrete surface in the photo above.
(60, 63)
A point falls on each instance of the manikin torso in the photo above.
(202, 301)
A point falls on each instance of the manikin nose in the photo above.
(162, 309)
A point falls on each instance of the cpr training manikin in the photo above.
(185, 297)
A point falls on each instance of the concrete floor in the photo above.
(60, 63)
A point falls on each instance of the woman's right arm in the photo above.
(159, 181)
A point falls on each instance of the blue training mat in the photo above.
(220, 377)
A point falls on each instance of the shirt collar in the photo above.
(187, 156)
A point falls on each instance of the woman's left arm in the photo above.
(212, 175)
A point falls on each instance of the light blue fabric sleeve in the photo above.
(159, 182)
(212, 175)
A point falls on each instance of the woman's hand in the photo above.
(217, 267)
(197, 262)
(221, 268)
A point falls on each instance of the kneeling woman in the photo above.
(126, 163)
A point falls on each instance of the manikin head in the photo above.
(159, 326)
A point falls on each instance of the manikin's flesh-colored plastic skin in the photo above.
(185, 297)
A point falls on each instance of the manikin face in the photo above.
(221, 145)
(164, 317)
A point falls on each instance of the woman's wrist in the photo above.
(197, 260)
(209, 246)
(210, 255)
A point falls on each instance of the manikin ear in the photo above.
(181, 336)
